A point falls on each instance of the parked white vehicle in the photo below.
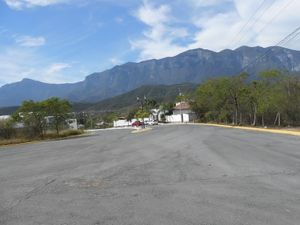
(151, 122)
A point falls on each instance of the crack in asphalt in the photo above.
(29, 194)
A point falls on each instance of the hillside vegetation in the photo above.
(159, 93)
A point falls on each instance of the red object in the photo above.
(136, 124)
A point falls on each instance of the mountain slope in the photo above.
(160, 93)
(192, 66)
(13, 94)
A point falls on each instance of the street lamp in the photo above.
(142, 102)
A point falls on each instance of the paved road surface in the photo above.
(171, 175)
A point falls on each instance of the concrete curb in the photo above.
(274, 131)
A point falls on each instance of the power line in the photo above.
(276, 15)
(290, 37)
(285, 40)
(248, 21)
(256, 20)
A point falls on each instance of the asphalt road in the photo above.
(171, 175)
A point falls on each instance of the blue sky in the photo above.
(61, 41)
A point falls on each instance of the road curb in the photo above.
(274, 131)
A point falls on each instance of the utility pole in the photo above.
(180, 107)
(142, 102)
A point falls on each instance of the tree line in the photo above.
(273, 98)
(37, 117)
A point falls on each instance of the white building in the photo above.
(122, 122)
(72, 124)
(181, 113)
(5, 117)
(69, 123)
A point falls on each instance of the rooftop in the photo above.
(182, 105)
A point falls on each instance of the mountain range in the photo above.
(128, 100)
(192, 66)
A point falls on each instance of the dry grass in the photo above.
(13, 141)
(62, 134)
(48, 136)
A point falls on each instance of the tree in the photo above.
(211, 100)
(131, 114)
(268, 94)
(59, 110)
(37, 116)
(7, 130)
(32, 114)
(167, 107)
(273, 97)
(150, 104)
(236, 90)
(109, 118)
(290, 100)
(141, 114)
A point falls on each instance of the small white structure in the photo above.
(177, 118)
(72, 124)
(181, 113)
(16, 125)
(5, 117)
(123, 123)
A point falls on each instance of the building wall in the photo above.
(5, 117)
(123, 123)
(72, 124)
(183, 111)
(177, 118)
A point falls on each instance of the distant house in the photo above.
(8, 117)
(5, 117)
(182, 112)
(122, 122)
(72, 124)
(69, 123)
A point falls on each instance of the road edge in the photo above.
(267, 130)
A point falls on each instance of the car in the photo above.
(136, 124)
(152, 122)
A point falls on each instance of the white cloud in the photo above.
(18, 63)
(153, 16)
(14, 63)
(56, 68)
(28, 41)
(270, 24)
(115, 61)
(276, 28)
(159, 40)
(216, 24)
(22, 4)
(49, 73)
